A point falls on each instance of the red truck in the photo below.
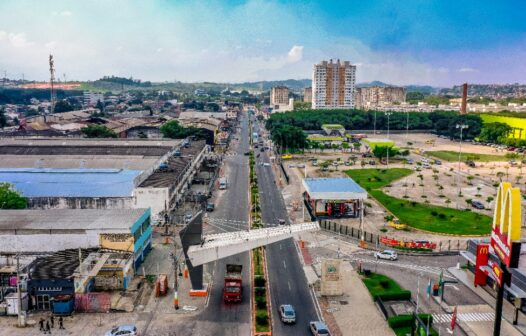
(233, 283)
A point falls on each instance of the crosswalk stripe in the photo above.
(466, 317)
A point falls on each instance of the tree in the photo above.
(63, 106)
(381, 151)
(494, 132)
(100, 106)
(174, 130)
(357, 145)
(98, 131)
(3, 119)
(10, 198)
(345, 146)
(289, 137)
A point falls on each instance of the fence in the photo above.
(442, 245)
(93, 302)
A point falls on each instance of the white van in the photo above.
(222, 183)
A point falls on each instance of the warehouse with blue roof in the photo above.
(334, 197)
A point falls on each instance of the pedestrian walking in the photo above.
(52, 319)
(41, 324)
(61, 323)
(48, 329)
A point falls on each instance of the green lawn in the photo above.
(379, 284)
(372, 143)
(418, 215)
(452, 156)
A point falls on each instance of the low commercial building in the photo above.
(376, 96)
(334, 197)
(52, 230)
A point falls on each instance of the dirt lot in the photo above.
(438, 185)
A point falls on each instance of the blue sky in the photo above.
(437, 42)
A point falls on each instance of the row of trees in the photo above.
(174, 130)
(286, 128)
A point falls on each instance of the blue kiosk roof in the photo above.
(71, 182)
(343, 188)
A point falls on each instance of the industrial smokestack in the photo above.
(463, 107)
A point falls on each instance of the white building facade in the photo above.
(333, 85)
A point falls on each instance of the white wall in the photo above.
(153, 198)
(11, 243)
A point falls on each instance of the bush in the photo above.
(395, 295)
(401, 321)
(259, 281)
(262, 318)
(384, 283)
(261, 302)
(260, 291)
(434, 213)
(441, 216)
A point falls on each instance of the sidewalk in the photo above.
(508, 310)
(354, 313)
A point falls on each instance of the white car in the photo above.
(125, 330)
(386, 254)
(266, 164)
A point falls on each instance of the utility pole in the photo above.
(53, 97)
(388, 114)
(21, 318)
(461, 126)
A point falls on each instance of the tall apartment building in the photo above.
(307, 94)
(279, 95)
(375, 96)
(91, 98)
(333, 85)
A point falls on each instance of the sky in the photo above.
(426, 42)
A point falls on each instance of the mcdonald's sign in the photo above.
(506, 233)
(482, 260)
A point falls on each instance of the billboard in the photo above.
(482, 260)
(506, 232)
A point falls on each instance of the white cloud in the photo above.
(295, 54)
(17, 40)
(65, 13)
(467, 70)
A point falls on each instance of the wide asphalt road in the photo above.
(219, 318)
(288, 284)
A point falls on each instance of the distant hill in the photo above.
(293, 84)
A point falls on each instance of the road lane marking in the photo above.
(288, 282)
(280, 247)
(284, 265)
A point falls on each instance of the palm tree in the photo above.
(500, 175)
(357, 145)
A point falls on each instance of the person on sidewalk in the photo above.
(52, 319)
(48, 329)
(61, 323)
(41, 324)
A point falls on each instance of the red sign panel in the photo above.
(407, 244)
(508, 253)
(482, 260)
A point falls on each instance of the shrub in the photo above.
(261, 302)
(383, 230)
(441, 216)
(434, 213)
(259, 281)
(262, 318)
(260, 291)
(401, 321)
(396, 295)
(384, 283)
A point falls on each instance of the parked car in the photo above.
(386, 254)
(246, 153)
(347, 163)
(301, 165)
(210, 207)
(470, 163)
(292, 166)
(477, 205)
(266, 164)
(395, 223)
(287, 313)
(426, 166)
(409, 161)
(318, 328)
(438, 162)
(315, 163)
(125, 330)
(281, 221)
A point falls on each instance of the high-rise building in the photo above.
(279, 95)
(307, 94)
(333, 85)
(375, 96)
(91, 98)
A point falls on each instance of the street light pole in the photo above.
(388, 114)
(460, 126)
(374, 127)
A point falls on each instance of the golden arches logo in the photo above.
(483, 250)
(507, 217)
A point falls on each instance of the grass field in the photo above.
(420, 216)
(372, 143)
(452, 156)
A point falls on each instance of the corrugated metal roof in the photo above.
(71, 182)
(334, 188)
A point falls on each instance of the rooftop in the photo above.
(343, 188)
(69, 219)
(71, 182)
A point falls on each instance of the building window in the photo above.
(43, 302)
(49, 289)
(145, 224)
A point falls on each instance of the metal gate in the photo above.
(93, 302)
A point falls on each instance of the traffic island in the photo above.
(395, 304)
(260, 295)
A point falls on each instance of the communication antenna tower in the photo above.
(52, 83)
